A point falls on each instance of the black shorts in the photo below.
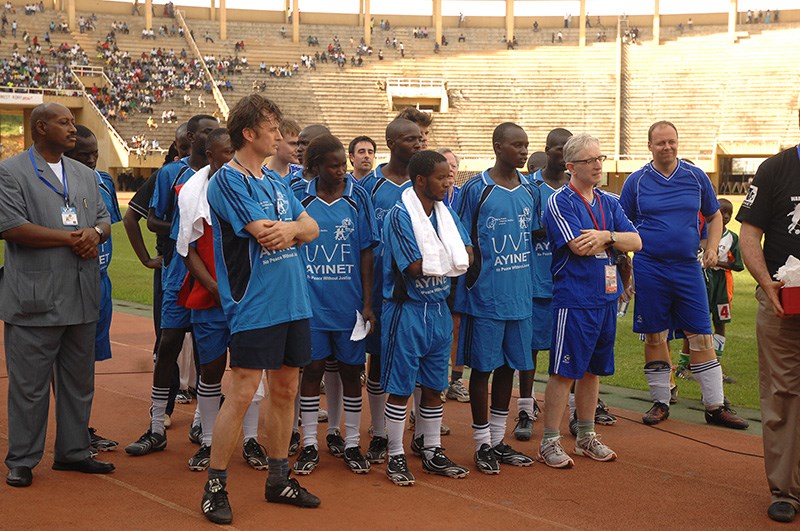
(271, 348)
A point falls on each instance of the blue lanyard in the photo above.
(65, 195)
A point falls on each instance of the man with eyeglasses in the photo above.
(586, 228)
(662, 200)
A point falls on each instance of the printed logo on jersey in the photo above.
(283, 205)
(525, 218)
(751, 196)
(344, 230)
(794, 225)
(492, 222)
(565, 359)
(380, 213)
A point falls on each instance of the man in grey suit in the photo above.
(52, 218)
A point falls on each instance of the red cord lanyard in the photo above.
(589, 207)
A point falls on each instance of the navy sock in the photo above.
(278, 471)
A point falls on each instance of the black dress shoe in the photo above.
(87, 466)
(781, 512)
(19, 476)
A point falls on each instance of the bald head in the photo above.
(53, 129)
(399, 127)
(307, 135)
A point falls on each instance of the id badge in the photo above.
(611, 279)
(69, 216)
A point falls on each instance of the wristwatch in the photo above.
(99, 231)
(613, 237)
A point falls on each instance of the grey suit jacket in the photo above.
(47, 287)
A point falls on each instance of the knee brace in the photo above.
(659, 338)
(699, 342)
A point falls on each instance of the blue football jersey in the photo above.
(664, 209)
(258, 288)
(542, 255)
(163, 199)
(401, 250)
(109, 194)
(333, 261)
(384, 194)
(580, 281)
(499, 283)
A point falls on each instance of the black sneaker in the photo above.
(215, 502)
(573, 424)
(377, 450)
(397, 470)
(147, 443)
(101, 444)
(200, 460)
(508, 456)
(602, 416)
(418, 445)
(524, 428)
(441, 465)
(355, 460)
(255, 454)
(307, 461)
(196, 434)
(486, 460)
(658, 413)
(726, 417)
(292, 493)
(781, 511)
(335, 443)
(294, 443)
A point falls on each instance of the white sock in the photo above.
(395, 424)
(657, 374)
(709, 377)
(526, 405)
(417, 402)
(250, 421)
(352, 420)
(309, 411)
(481, 435)
(333, 395)
(572, 406)
(158, 408)
(429, 424)
(196, 419)
(497, 425)
(377, 400)
(208, 396)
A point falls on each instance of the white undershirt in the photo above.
(58, 170)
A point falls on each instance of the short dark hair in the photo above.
(416, 116)
(363, 138)
(82, 131)
(423, 162)
(725, 203)
(247, 114)
(502, 130)
(318, 148)
(215, 135)
(659, 124)
(194, 122)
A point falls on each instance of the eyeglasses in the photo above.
(601, 159)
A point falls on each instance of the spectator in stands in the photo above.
(690, 24)
(135, 10)
(208, 37)
(200, 101)
(283, 32)
(380, 55)
(461, 38)
(560, 37)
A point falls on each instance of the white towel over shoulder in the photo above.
(194, 210)
(443, 254)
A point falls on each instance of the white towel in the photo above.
(194, 210)
(442, 255)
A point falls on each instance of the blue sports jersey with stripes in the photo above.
(542, 256)
(664, 209)
(401, 250)
(258, 288)
(580, 281)
(109, 194)
(499, 221)
(384, 195)
(333, 261)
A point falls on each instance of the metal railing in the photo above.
(218, 98)
(422, 82)
(72, 92)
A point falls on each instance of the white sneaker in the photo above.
(553, 455)
(590, 446)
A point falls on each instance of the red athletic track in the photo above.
(662, 479)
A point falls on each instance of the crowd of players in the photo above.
(362, 264)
